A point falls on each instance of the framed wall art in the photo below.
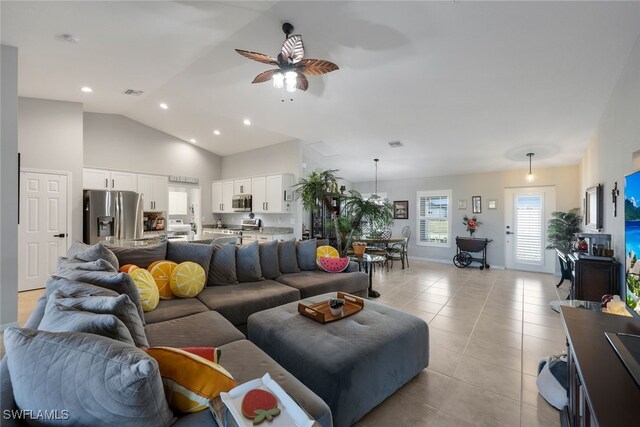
(476, 203)
(462, 204)
(492, 204)
(401, 209)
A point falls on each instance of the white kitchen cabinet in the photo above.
(102, 179)
(268, 193)
(155, 191)
(242, 186)
(259, 194)
(96, 179)
(265, 238)
(222, 196)
(249, 237)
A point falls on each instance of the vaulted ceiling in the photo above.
(466, 86)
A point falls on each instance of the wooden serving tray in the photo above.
(321, 312)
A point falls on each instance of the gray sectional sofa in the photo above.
(238, 285)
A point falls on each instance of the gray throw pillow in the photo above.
(95, 252)
(222, 271)
(142, 256)
(120, 306)
(196, 252)
(76, 264)
(248, 263)
(58, 318)
(119, 282)
(306, 252)
(287, 257)
(269, 260)
(97, 380)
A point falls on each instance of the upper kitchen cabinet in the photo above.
(242, 186)
(272, 194)
(222, 196)
(100, 179)
(155, 192)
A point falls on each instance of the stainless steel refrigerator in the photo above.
(110, 215)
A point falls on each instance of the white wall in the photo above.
(8, 187)
(610, 156)
(112, 141)
(488, 186)
(285, 157)
(50, 138)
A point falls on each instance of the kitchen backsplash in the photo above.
(273, 220)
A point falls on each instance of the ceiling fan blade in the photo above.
(302, 82)
(315, 67)
(293, 49)
(264, 77)
(260, 57)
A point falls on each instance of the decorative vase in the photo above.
(359, 248)
(582, 245)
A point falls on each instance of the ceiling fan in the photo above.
(292, 66)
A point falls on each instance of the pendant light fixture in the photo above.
(530, 175)
(376, 179)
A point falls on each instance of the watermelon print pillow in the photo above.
(333, 265)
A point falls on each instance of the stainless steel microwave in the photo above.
(241, 203)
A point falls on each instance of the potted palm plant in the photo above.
(321, 188)
(562, 228)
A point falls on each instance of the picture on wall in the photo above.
(401, 209)
(462, 204)
(493, 204)
(476, 203)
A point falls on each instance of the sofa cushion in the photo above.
(120, 306)
(74, 288)
(190, 381)
(59, 318)
(248, 263)
(306, 255)
(95, 252)
(206, 329)
(199, 253)
(287, 257)
(236, 303)
(142, 256)
(173, 309)
(246, 362)
(118, 282)
(7, 403)
(223, 266)
(311, 283)
(127, 391)
(38, 312)
(269, 260)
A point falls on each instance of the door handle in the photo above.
(267, 203)
(60, 235)
(508, 232)
(113, 183)
(106, 183)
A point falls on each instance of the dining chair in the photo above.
(399, 251)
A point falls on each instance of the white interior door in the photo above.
(42, 233)
(526, 213)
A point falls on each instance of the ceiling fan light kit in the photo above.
(292, 66)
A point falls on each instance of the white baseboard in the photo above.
(448, 261)
(8, 325)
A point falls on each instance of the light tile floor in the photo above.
(488, 331)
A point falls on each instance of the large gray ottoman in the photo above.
(353, 364)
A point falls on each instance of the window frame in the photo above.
(434, 193)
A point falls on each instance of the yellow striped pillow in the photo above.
(190, 381)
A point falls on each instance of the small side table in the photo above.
(367, 261)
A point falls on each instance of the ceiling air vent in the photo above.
(133, 92)
(324, 149)
(395, 144)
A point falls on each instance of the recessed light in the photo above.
(216, 132)
(247, 122)
(86, 89)
(164, 106)
(193, 141)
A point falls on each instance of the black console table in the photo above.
(593, 278)
(601, 390)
